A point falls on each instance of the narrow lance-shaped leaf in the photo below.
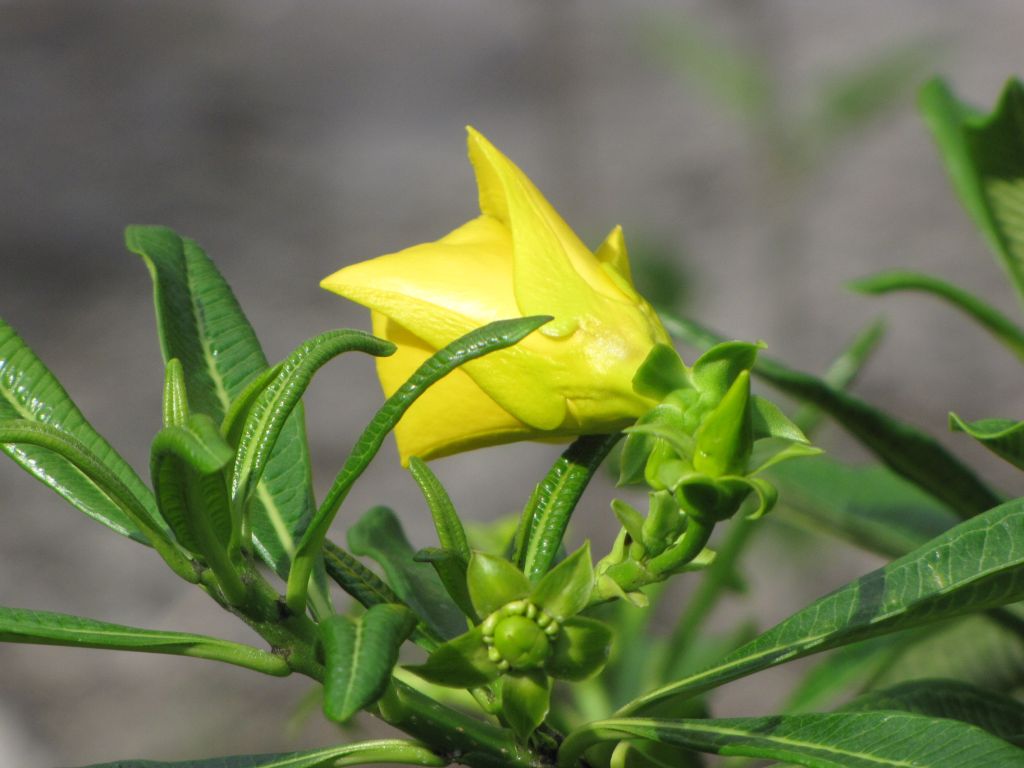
(91, 467)
(841, 740)
(44, 628)
(200, 322)
(29, 391)
(984, 155)
(359, 655)
(475, 344)
(450, 533)
(990, 318)
(997, 713)
(975, 566)
(1004, 437)
(273, 406)
(379, 535)
(360, 753)
(543, 522)
(909, 452)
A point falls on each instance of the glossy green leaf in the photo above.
(450, 533)
(266, 419)
(368, 588)
(869, 505)
(29, 391)
(525, 700)
(490, 338)
(494, 582)
(979, 564)
(995, 712)
(580, 650)
(841, 740)
(175, 402)
(360, 753)
(241, 404)
(565, 590)
(359, 655)
(1004, 437)
(661, 372)
(378, 534)
(200, 322)
(462, 662)
(910, 453)
(546, 517)
(42, 436)
(990, 318)
(43, 628)
(452, 571)
(984, 155)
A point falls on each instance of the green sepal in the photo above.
(637, 448)
(768, 453)
(175, 404)
(451, 569)
(725, 438)
(712, 498)
(715, 371)
(359, 655)
(565, 590)
(525, 700)
(494, 582)
(580, 650)
(460, 663)
(631, 519)
(768, 420)
(661, 372)
(663, 524)
(1004, 437)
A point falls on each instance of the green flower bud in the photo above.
(521, 642)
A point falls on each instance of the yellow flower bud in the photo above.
(518, 258)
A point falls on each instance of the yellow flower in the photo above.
(573, 376)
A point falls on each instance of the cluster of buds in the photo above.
(519, 635)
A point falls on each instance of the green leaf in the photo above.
(841, 740)
(768, 420)
(977, 565)
(462, 662)
(525, 700)
(990, 318)
(43, 628)
(869, 505)
(359, 655)
(490, 338)
(910, 453)
(580, 650)
(378, 534)
(494, 582)
(360, 753)
(1004, 437)
(200, 322)
(59, 443)
(175, 403)
(450, 533)
(29, 391)
(997, 713)
(661, 372)
(452, 570)
(269, 414)
(565, 589)
(984, 155)
(546, 516)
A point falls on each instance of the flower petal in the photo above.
(452, 415)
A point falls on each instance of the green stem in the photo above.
(546, 516)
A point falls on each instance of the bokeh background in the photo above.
(757, 154)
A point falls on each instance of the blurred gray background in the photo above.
(757, 154)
